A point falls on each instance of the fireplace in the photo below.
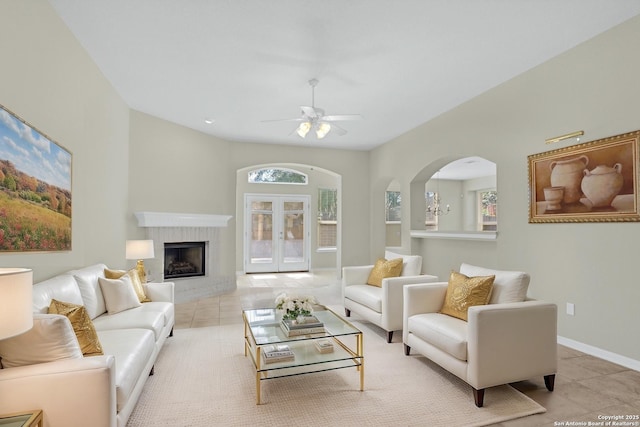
(184, 259)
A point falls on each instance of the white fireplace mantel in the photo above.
(170, 219)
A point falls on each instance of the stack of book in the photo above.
(277, 353)
(324, 346)
(311, 325)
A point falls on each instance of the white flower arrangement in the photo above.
(294, 306)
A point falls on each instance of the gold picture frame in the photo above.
(594, 181)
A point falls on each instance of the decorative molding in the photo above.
(170, 219)
(456, 235)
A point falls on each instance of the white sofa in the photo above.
(96, 391)
(381, 306)
(513, 338)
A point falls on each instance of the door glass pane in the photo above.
(261, 247)
(293, 235)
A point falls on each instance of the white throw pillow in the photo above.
(51, 338)
(118, 294)
(92, 298)
(411, 264)
(508, 286)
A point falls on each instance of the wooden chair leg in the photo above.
(478, 396)
(389, 336)
(347, 312)
(549, 381)
(407, 350)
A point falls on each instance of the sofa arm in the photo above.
(357, 275)
(160, 291)
(392, 295)
(70, 392)
(511, 342)
(421, 298)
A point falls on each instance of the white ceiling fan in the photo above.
(313, 118)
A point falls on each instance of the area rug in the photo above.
(203, 378)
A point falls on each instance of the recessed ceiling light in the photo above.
(209, 121)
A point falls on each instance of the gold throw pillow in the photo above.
(135, 281)
(82, 326)
(464, 292)
(384, 268)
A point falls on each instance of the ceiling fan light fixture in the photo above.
(303, 129)
(322, 130)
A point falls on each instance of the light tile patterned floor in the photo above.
(586, 387)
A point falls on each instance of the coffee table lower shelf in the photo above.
(307, 359)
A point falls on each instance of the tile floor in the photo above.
(586, 387)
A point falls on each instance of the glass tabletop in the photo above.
(264, 324)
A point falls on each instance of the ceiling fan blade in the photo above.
(337, 129)
(299, 119)
(341, 117)
(311, 112)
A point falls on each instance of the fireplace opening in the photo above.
(184, 259)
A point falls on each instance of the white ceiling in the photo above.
(396, 63)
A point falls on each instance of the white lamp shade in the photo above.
(139, 249)
(16, 305)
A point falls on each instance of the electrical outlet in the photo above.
(571, 309)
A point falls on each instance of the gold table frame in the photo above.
(262, 327)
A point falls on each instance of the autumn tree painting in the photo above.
(35, 189)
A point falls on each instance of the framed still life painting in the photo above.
(595, 181)
(35, 189)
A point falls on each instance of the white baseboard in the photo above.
(627, 362)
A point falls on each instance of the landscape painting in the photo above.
(35, 189)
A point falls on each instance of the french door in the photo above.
(276, 233)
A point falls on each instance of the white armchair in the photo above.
(381, 306)
(513, 338)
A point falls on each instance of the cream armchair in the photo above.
(513, 338)
(381, 306)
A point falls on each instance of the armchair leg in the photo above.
(347, 312)
(549, 381)
(407, 350)
(389, 336)
(478, 396)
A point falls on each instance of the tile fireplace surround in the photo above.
(164, 227)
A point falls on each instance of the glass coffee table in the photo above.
(262, 331)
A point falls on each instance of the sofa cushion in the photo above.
(464, 292)
(411, 264)
(508, 286)
(369, 296)
(62, 287)
(447, 333)
(87, 279)
(82, 326)
(384, 268)
(132, 349)
(118, 294)
(140, 318)
(166, 308)
(51, 338)
(135, 281)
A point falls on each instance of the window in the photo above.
(393, 210)
(487, 210)
(327, 218)
(277, 176)
(431, 219)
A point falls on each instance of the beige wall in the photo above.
(50, 82)
(593, 87)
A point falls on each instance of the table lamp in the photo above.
(16, 305)
(140, 250)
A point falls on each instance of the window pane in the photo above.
(327, 218)
(489, 210)
(277, 176)
(393, 206)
